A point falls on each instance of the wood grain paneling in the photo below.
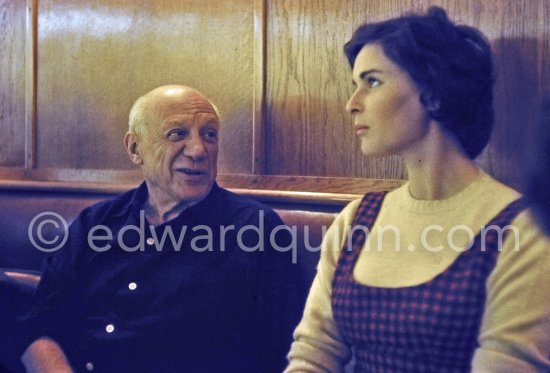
(266, 188)
(96, 57)
(258, 103)
(31, 75)
(309, 82)
(519, 33)
(116, 179)
(275, 68)
(309, 132)
(12, 82)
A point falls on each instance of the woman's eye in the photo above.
(176, 135)
(373, 82)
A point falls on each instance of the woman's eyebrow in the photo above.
(363, 74)
(367, 72)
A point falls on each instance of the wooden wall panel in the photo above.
(96, 57)
(12, 83)
(309, 82)
(519, 33)
(282, 102)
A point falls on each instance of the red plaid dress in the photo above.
(431, 327)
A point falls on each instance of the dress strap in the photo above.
(493, 233)
(509, 213)
(363, 221)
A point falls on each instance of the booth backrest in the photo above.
(21, 210)
(17, 211)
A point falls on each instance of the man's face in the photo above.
(179, 149)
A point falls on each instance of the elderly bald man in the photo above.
(178, 275)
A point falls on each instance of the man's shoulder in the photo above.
(238, 201)
(111, 207)
(239, 207)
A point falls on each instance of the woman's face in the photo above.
(388, 116)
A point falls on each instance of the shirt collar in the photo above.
(207, 211)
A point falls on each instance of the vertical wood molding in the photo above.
(259, 80)
(31, 46)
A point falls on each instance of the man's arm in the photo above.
(48, 320)
(45, 355)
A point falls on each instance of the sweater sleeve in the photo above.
(318, 346)
(515, 329)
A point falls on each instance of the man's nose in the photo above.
(194, 148)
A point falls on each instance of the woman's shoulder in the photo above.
(347, 214)
(489, 184)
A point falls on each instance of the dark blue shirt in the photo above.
(212, 296)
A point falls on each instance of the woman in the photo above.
(410, 288)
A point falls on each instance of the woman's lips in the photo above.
(361, 129)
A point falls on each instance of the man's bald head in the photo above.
(149, 108)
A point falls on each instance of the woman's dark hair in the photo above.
(537, 181)
(451, 65)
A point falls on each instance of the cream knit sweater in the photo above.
(411, 242)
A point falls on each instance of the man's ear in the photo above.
(132, 148)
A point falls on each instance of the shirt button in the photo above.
(110, 328)
(150, 241)
(132, 286)
(89, 366)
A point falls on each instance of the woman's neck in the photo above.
(437, 167)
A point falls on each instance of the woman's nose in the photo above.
(353, 106)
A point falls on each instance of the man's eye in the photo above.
(211, 135)
(176, 135)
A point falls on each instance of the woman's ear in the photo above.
(132, 148)
(431, 102)
(433, 105)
